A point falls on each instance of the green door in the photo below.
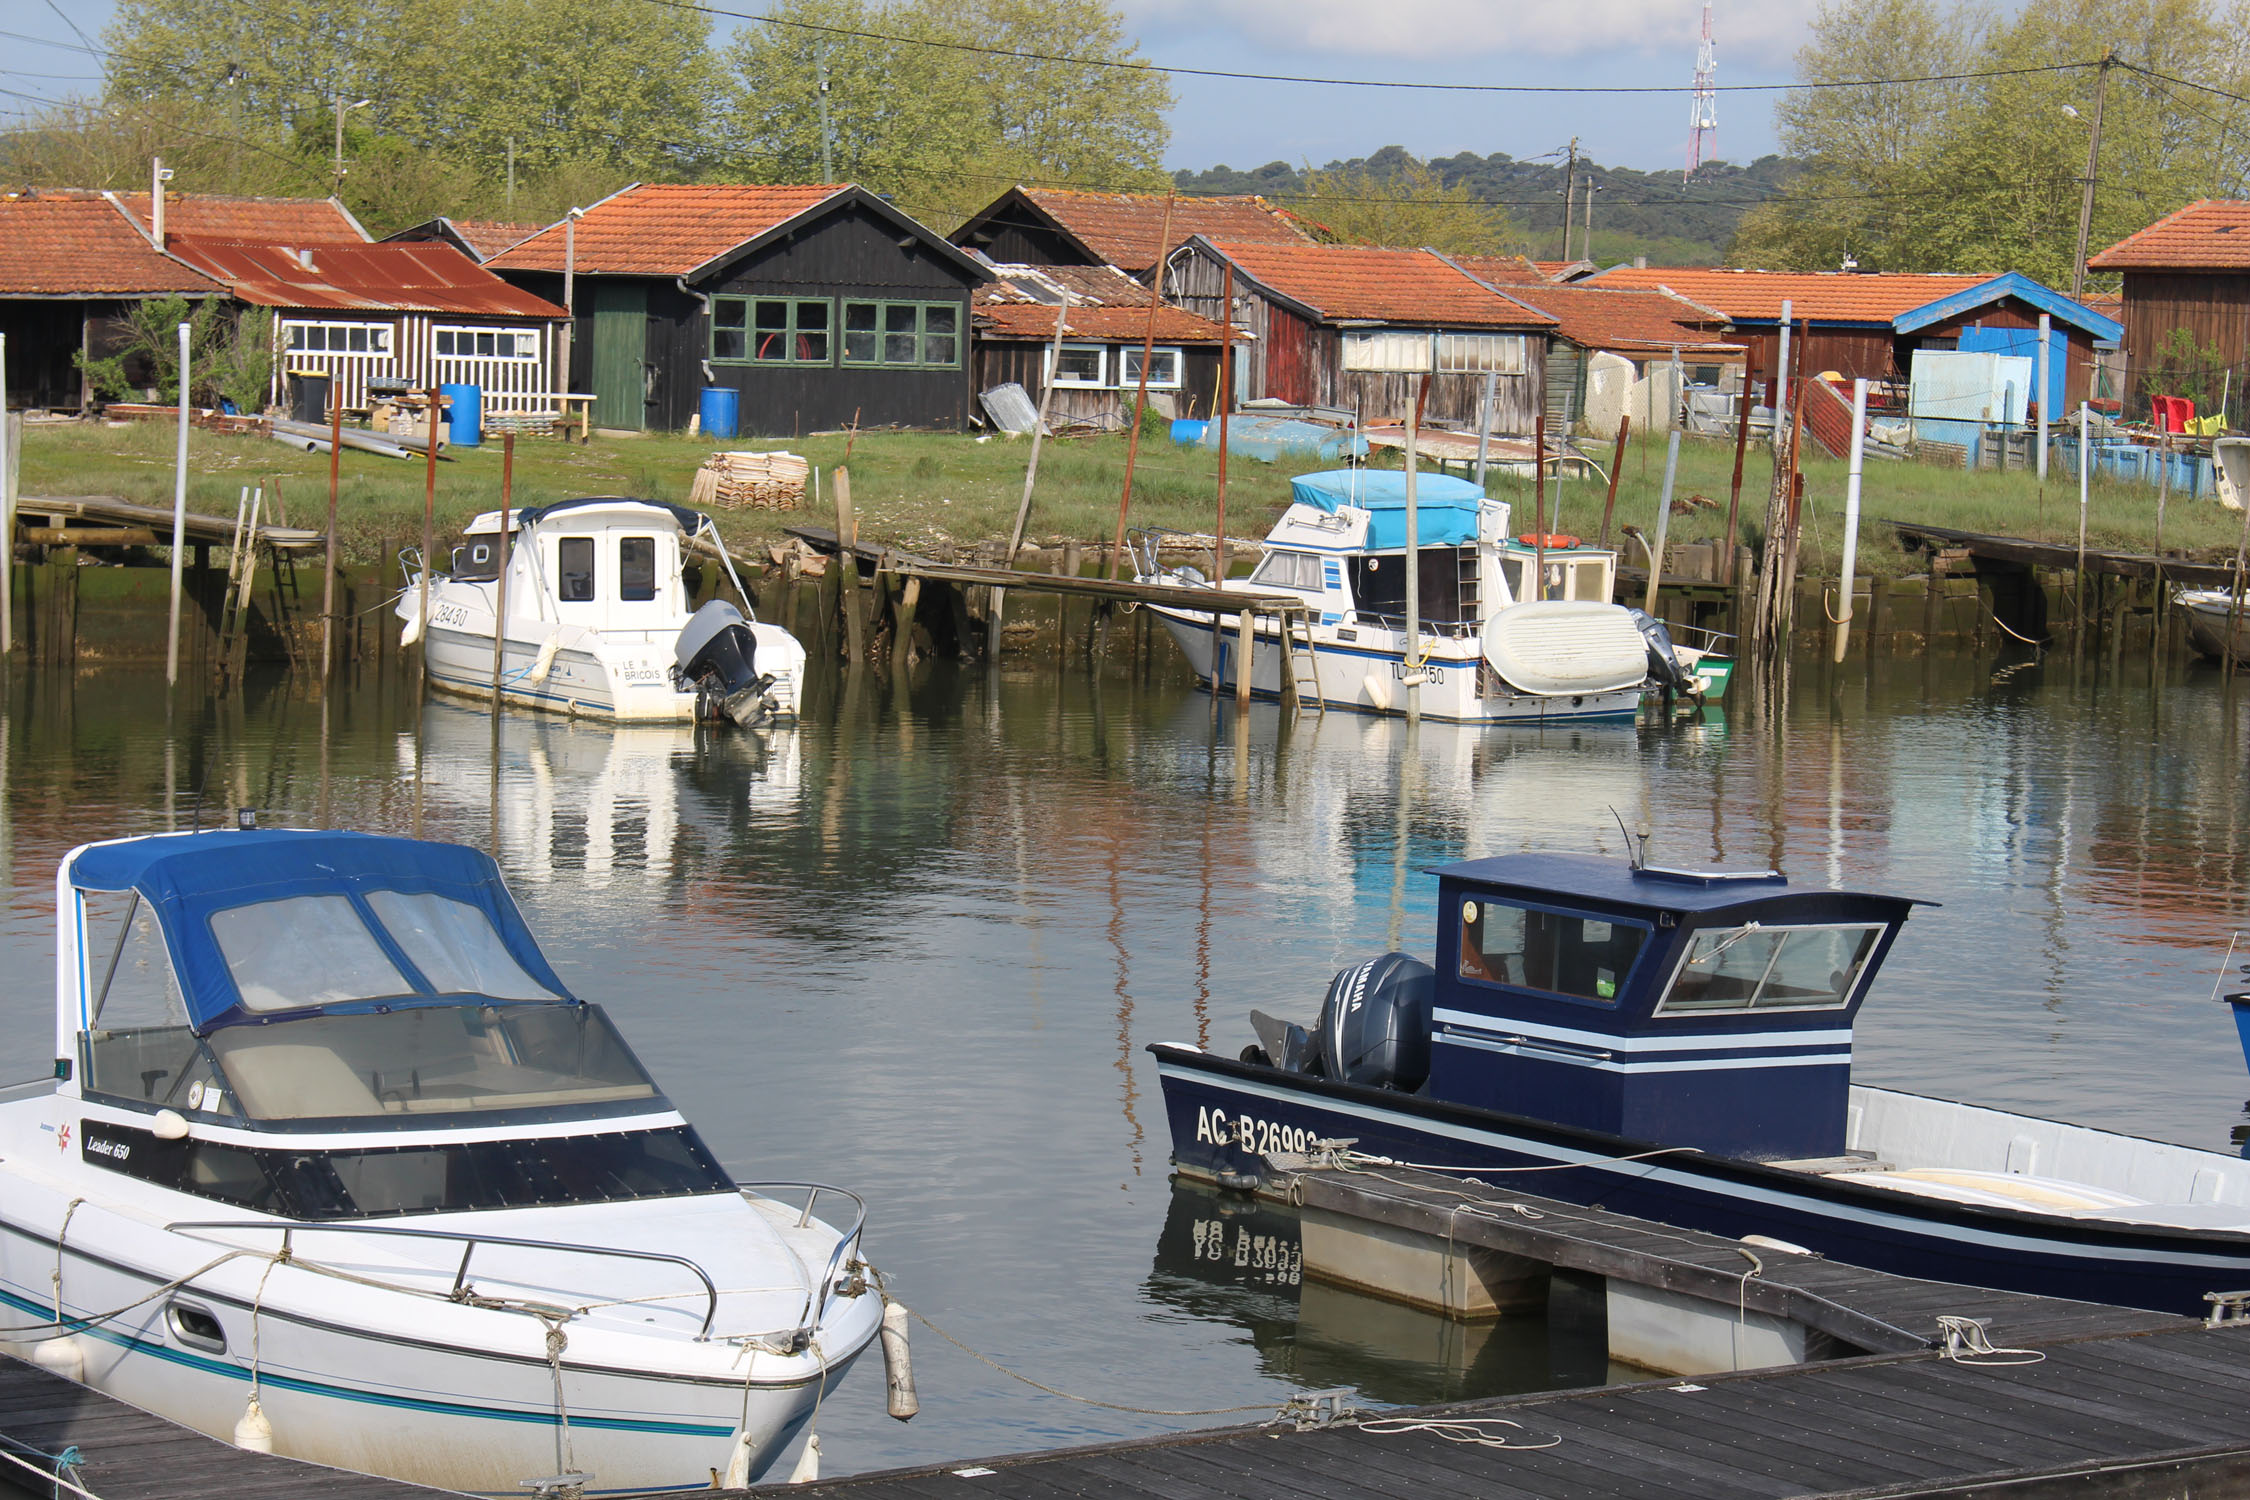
(620, 344)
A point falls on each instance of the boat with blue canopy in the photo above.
(1508, 627)
(1677, 1045)
(335, 1165)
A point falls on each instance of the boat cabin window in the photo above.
(455, 946)
(1770, 968)
(636, 568)
(574, 566)
(1379, 583)
(1290, 570)
(1563, 953)
(304, 950)
(477, 560)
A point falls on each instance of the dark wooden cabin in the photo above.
(2189, 271)
(1069, 227)
(821, 305)
(1108, 320)
(1307, 305)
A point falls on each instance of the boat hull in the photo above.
(2214, 627)
(1212, 1104)
(1366, 676)
(580, 682)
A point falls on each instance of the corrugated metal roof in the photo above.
(2211, 234)
(1598, 317)
(667, 228)
(1353, 283)
(224, 216)
(79, 245)
(1123, 228)
(426, 277)
(1822, 296)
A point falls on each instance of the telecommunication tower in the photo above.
(1703, 111)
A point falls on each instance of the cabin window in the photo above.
(772, 330)
(477, 560)
(301, 951)
(1290, 570)
(903, 335)
(1480, 353)
(574, 566)
(455, 946)
(1081, 364)
(1771, 968)
(636, 568)
(486, 343)
(304, 337)
(1163, 368)
(1562, 953)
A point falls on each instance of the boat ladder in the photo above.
(1300, 667)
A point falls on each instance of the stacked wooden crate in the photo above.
(766, 481)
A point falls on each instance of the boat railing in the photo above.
(1454, 629)
(821, 1290)
(470, 1244)
(410, 564)
(1708, 639)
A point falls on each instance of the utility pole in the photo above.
(1569, 196)
(2093, 165)
(338, 187)
(511, 185)
(827, 140)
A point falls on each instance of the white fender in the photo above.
(808, 1462)
(62, 1356)
(254, 1434)
(545, 661)
(898, 1365)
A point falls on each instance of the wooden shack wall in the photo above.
(2213, 306)
(1853, 352)
(1023, 361)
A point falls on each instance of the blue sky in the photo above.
(1581, 43)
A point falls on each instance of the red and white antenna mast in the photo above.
(1703, 111)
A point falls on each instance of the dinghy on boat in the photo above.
(598, 620)
(1677, 1045)
(1511, 628)
(334, 1165)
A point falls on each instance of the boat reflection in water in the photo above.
(1229, 1258)
(595, 802)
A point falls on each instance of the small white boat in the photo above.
(334, 1166)
(598, 620)
(2215, 617)
(1510, 630)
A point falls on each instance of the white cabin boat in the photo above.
(334, 1165)
(599, 623)
(1509, 631)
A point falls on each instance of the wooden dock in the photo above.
(108, 521)
(127, 1454)
(2022, 552)
(2095, 1401)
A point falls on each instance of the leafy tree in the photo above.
(145, 353)
(2185, 367)
(1395, 199)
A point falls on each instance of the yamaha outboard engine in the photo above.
(716, 655)
(1663, 663)
(1374, 1027)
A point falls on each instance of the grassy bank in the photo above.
(931, 491)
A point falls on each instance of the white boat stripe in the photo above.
(1678, 1042)
(1716, 1187)
(1610, 1065)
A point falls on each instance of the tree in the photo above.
(1396, 199)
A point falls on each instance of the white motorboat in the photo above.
(333, 1165)
(598, 619)
(1510, 628)
(2214, 618)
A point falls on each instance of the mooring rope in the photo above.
(67, 1459)
(1474, 1430)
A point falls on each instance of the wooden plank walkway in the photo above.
(2016, 549)
(130, 1454)
(2109, 1402)
(110, 512)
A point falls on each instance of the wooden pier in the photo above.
(2022, 552)
(2080, 1400)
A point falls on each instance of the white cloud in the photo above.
(1763, 31)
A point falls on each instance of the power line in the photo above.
(40, 41)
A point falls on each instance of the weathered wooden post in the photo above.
(1851, 511)
(1616, 467)
(847, 568)
(429, 542)
(1741, 443)
(1663, 524)
(179, 520)
(328, 568)
(1245, 643)
(500, 600)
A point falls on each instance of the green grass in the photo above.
(933, 491)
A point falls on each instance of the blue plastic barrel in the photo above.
(1187, 433)
(722, 409)
(466, 427)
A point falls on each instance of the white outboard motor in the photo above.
(1663, 662)
(717, 656)
(1374, 1027)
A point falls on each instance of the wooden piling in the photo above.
(1245, 643)
(847, 569)
(1616, 467)
(328, 569)
(1741, 442)
(500, 602)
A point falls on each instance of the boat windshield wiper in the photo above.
(1736, 937)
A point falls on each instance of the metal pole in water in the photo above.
(1663, 522)
(1851, 510)
(429, 534)
(500, 602)
(1484, 429)
(1411, 671)
(2046, 325)
(328, 570)
(1780, 401)
(179, 521)
(8, 470)
(2085, 466)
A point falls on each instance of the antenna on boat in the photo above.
(1637, 855)
(2232, 939)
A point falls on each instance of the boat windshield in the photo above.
(1563, 953)
(427, 1060)
(302, 951)
(1753, 967)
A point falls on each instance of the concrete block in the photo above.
(1674, 1334)
(1402, 1265)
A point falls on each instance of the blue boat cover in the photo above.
(185, 878)
(1268, 438)
(1445, 508)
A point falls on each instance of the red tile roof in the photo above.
(666, 228)
(1823, 296)
(1106, 306)
(1350, 283)
(2211, 234)
(1602, 317)
(79, 245)
(222, 216)
(1504, 270)
(1123, 228)
(488, 237)
(428, 277)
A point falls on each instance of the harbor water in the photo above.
(917, 946)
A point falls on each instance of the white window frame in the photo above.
(1480, 353)
(384, 333)
(519, 335)
(1164, 355)
(1749, 1007)
(1101, 371)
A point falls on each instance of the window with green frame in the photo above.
(903, 335)
(772, 330)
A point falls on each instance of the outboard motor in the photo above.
(1663, 663)
(1374, 1027)
(717, 656)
